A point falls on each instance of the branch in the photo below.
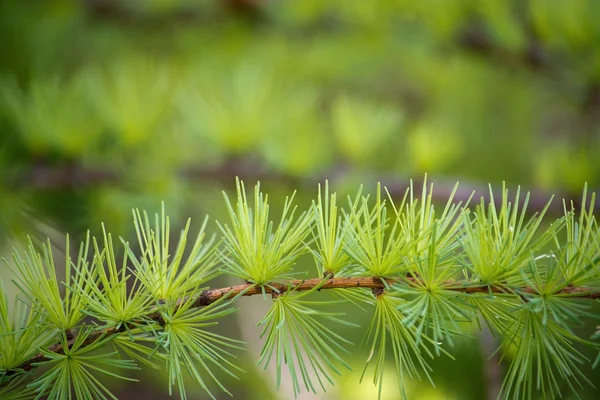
(46, 177)
(210, 296)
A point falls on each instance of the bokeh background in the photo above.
(107, 105)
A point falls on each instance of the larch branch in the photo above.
(210, 296)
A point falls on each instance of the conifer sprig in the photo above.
(420, 272)
(255, 249)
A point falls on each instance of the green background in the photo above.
(107, 105)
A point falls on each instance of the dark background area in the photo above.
(109, 105)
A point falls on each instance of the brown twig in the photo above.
(210, 296)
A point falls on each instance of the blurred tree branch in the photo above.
(46, 177)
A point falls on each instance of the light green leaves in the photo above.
(176, 282)
(329, 237)
(136, 304)
(38, 280)
(294, 335)
(433, 238)
(109, 299)
(166, 276)
(22, 332)
(431, 306)
(388, 329)
(71, 372)
(190, 347)
(545, 354)
(433, 312)
(538, 330)
(373, 239)
(255, 249)
(579, 257)
(390, 246)
(499, 243)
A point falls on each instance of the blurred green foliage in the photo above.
(106, 105)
